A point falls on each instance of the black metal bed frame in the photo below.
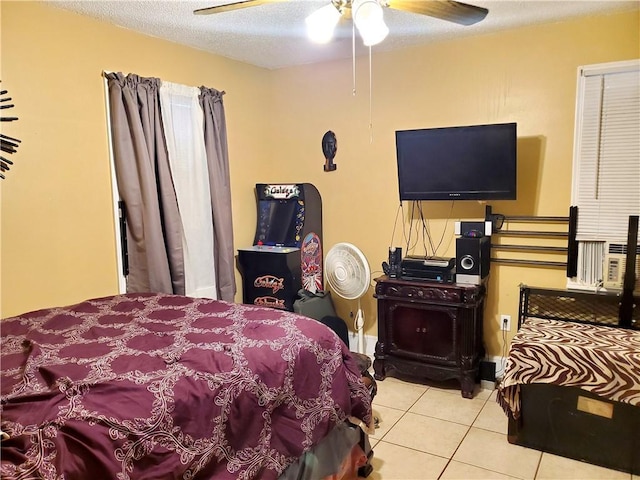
(595, 308)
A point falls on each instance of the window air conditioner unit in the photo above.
(614, 266)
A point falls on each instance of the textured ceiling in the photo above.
(273, 35)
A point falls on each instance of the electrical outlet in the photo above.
(505, 322)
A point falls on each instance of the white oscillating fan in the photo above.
(348, 274)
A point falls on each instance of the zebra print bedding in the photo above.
(602, 360)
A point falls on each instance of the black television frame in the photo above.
(474, 162)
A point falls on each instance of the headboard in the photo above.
(595, 308)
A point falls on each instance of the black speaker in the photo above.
(472, 259)
(487, 370)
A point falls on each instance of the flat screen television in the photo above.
(476, 162)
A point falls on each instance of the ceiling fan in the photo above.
(367, 14)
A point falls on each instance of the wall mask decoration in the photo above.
(329, 148)
(7, 144)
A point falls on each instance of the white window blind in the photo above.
(606, 179)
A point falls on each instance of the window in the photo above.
(606, 164)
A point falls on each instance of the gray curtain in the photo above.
(215, 139)
(154, 232)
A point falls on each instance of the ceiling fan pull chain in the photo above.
(370, 99)
(353, 54)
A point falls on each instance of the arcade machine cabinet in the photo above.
(287, 250)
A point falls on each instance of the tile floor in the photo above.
(432, 432)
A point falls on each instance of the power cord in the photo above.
(395, 224)
(426, 234)
(503, 361)
(409, 246)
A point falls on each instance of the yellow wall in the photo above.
(526, 75)
(57, 233)
(57, 229)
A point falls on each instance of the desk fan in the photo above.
(348, 274)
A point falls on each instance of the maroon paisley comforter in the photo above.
(146, 386)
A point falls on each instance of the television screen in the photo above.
(476, 162)
(277, 222)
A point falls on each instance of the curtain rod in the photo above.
(222, 92)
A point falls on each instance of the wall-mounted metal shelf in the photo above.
(569, 251)
(531, 233)
(598, 308)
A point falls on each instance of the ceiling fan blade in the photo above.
(457, 12)
(227, 7)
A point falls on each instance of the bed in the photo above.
(157, 386)
(572, 381)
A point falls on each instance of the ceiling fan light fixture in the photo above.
(322, 23)
(369, 19)
(366, 12)
(374, 34)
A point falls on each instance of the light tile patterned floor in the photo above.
(431, 432)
